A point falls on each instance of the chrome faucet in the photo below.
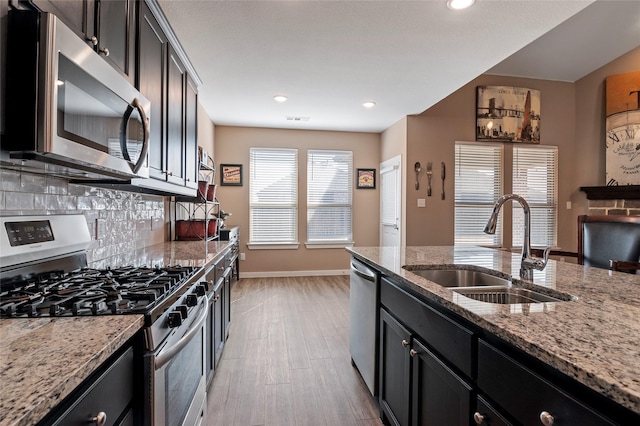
(529, 262)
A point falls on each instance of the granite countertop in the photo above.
(594, 339)
(43, 359)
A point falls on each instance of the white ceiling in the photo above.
(329, 57)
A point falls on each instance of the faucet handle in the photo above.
(536, 262)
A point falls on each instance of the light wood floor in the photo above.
(287, 359)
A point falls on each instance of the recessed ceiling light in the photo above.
(369, 104)
(280, 98)
(459, 4)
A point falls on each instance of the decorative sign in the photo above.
(231, 174)
(366, 179)
(505, 113)
(623, 129)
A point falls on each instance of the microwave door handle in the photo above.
(194, 329)
(123, 134)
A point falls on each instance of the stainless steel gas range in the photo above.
(44, 273)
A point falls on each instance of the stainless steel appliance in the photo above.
(69, 112)
(364, 293)
(44, 273)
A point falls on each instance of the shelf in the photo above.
(627, 192)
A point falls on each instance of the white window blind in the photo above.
(535, 179)
(478, 183)
(329, 186)
(273, 195)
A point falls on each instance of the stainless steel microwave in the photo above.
(68, 112)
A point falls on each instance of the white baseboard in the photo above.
(276, 274)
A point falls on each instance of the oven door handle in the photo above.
(195, 328)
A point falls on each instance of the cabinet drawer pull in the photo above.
(100, 419)
(546, 419)
(413, 353)
(405, 343)
(478, 418)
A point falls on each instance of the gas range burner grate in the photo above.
(124, 290)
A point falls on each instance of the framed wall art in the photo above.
(622, 124)
(366, 179)
(510, 114)
(231, 174)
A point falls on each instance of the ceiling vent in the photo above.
(291, 118)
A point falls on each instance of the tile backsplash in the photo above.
(118, 221)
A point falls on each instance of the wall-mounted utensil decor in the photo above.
(417, 168)
(429, 173)
(442, 173)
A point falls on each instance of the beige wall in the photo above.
(205, 132)
(572, 119)
(590, 125)
(432, 136)
(232, 147)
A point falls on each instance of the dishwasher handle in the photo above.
(369, 277)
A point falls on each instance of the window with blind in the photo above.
(329, 186)
(534, 178)
(273, 196)
(478, 183)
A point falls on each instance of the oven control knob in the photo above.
(192, 300)
(174, 319)
(201, 290)
(183, 310)
(205, 284)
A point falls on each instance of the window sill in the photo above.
(273, 246)
(328, 245)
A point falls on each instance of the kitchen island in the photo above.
(592, 337)
(42, 360)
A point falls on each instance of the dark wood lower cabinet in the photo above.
(416, 388)
(395, 370)
(437, 368)
(439, 396)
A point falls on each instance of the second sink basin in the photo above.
(506, 296)
(460, 277)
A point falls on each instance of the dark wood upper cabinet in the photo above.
(191, 133)
(115, 32)
(152, 64)
(175, 118)
(107, 25)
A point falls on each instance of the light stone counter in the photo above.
(42, 360)
(594, 339)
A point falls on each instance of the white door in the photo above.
(390, 199)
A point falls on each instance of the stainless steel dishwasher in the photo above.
(363, 312)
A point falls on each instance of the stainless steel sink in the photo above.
(460, 277)
(506, 296)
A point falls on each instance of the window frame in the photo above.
(292, 201)
(345, 187)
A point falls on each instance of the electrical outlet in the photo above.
(422, 202)
(242, 256)
(568, 205)
(100, 228)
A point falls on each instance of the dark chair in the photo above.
(607, 241)
(603, 240)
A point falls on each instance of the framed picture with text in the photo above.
(231, 174)
(366, 179)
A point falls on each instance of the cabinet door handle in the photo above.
(478, 418)
(546, 419)
(93, 40)
(405, 343)
(100, 419)
(104, 51)
(413, 353)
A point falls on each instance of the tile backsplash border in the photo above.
(118, 221)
